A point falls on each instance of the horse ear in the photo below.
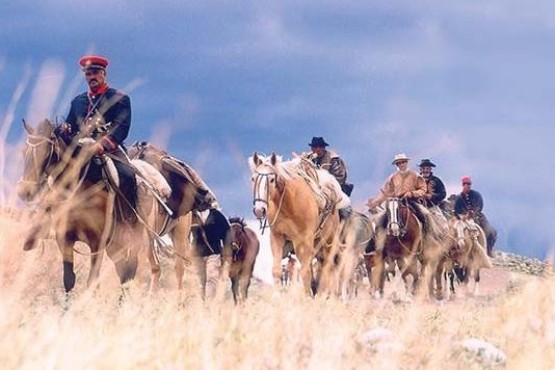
(27, 128)
(273, 159)
(256, 160)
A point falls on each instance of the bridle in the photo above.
(261, 193)
(33, 142)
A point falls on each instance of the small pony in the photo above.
(241, 258)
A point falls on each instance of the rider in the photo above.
(409, 185)
(332, 162)
(470, 202)
(404, 183)
(103, 114)
(435, 189)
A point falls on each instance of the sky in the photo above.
(468, 84)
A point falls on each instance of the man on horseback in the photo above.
(102, 115)
(409, 185)
(435, 189)
(404, 183)
(332, 162)
(470, 203)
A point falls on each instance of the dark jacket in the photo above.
(331, 162)
(105, 117)
(436, 188)
(469, 202)
(210, 235)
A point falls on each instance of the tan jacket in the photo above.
(398, 184)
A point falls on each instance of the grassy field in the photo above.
(275, 329)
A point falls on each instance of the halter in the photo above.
(41, 171)
(394, 209)
(257, 197)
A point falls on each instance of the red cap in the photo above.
(93, 61)
(466, 180)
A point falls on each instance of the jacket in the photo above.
(436, 188)
(105, 117)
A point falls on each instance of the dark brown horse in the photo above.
(399, 238)
(78, 208)
(241, 258)
(188, 192)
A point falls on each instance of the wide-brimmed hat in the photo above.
(426, 163)
(318, 141)
(400, 157)
(93, 62)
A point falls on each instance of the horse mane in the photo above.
(285, 170)
(238, 220)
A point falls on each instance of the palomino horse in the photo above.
(399, 238)
(188, 193)
(285, 200)
(81, 209)
(466, 251)
(244, 250)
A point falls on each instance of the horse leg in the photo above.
(476, 282)
(66, 244)
(378, 278)
(155, 270)
(180, 238)
(235, 289)
(277, 242)
(303, 251)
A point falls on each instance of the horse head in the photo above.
(265, 181)
(40, 154)
(394, 221)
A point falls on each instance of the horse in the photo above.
(188, 193)
(399, 238)
(80, 209)
(284, 200)
(356, 236)
(241, 257)
(466, 253)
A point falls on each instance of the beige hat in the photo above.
(400, 157)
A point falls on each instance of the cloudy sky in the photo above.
(469, 84)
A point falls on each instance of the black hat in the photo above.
(318, 141)
(426, 163)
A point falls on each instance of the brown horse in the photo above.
(399, 238)
(284, 200)
(79, 209)
(241, 258)
(188, 193)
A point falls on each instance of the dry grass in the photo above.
(275, 329)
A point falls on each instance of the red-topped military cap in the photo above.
(466, 180)
(93, 61)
